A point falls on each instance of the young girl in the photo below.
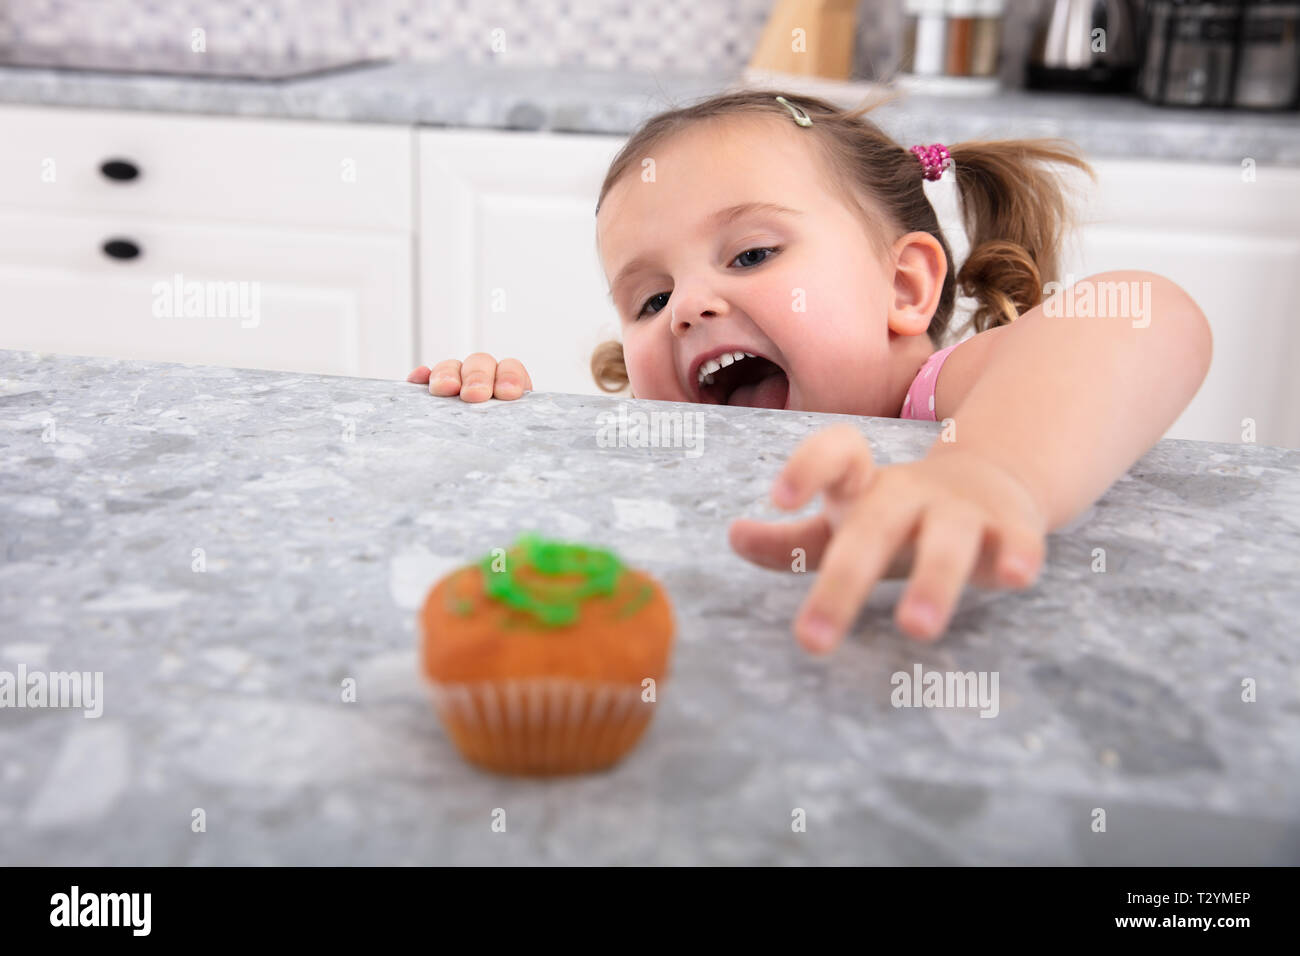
(774, 251)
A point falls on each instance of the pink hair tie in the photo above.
(934, 160)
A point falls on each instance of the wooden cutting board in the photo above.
(810, 38)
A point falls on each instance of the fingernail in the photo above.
(1018, 568)
(819, 632)
(923, 614)
(783, 492)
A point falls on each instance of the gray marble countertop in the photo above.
(616, 102)
(324, 507)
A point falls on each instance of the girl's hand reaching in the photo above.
(477, 379)
(948, 517)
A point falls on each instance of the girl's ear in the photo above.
(919, 270)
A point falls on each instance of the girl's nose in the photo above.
(689, 306)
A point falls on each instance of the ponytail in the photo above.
(1016, 216)
(609, 368)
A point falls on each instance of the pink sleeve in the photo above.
(919, 403)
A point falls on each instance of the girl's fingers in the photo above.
(444, 378)
(947, 548)
(835, 461)
(1020, 556)
(858, 554)
(771, 545)
(512, 379)
(477, 377)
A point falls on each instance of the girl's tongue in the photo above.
(772, 391)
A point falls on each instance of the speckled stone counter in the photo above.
(230, 548)
(604, 101)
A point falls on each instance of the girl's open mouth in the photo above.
(752, 382)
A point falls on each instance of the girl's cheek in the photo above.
(645, 371)
(790, 296)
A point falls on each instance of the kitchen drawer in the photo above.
(333, 303)
(204, 167)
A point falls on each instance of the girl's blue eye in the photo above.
(750, 263)
(661, 295)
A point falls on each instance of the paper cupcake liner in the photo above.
(542, 725)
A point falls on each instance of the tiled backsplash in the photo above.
(682, 35)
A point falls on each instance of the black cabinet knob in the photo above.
(121, 249)
(119, 170)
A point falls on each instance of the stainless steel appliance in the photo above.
(1268, 58)
(1191, 48)
(1084, 45)
(1220, 53)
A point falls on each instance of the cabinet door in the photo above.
(508, 261)
(1229, 238)
(332, 303)
(263, 172)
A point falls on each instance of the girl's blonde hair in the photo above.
(1015, 210)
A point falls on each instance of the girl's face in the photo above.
(733, 241)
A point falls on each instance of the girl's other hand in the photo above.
(477, 379)
(946, 518)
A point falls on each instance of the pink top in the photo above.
(919, 403)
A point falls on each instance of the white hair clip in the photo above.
(800, 117)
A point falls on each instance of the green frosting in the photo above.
(637, 602)
(553, 603)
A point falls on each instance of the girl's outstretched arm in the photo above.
(1073, 392)
(1040, 417)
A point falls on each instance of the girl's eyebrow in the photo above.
(724, 216)
(721, 217)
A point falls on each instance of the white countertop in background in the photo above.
(601, 101)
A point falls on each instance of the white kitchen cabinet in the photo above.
(306, 301)
(316, 217)
(508, 261)
(1232, 242)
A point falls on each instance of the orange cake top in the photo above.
(546, 609)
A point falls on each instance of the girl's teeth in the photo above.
(722, 361)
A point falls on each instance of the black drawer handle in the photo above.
(121, 249)
(120, 170)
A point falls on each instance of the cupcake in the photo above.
(545, 658)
